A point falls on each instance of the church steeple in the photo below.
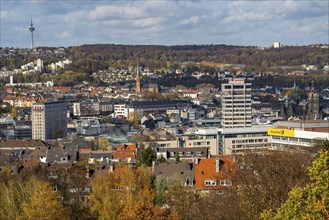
(313, 110)
(138, 82)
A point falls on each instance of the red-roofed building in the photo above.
(125, 152)
(213, 173)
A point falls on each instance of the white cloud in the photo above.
(165, 22)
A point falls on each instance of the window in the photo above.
(54, 188)
(210, 182)
(188, 153)
(225, 182)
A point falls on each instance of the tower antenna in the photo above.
(31, 29)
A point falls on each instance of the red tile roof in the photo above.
(206, 170)
(125, 151)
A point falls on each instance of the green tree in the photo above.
(58, 134)
(133, 118)
(103, 144)
(13, 112)
(177, 158)
(162, 185)
(182, 199)
(146, 157)
(311, 201)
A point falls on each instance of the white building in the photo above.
(238, 140)
(296, 139)
(276, 44)
(120, 111)
(236, 104)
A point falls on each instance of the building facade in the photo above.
(285, 139)
(47, 118)
(236, 104)
(86, 108)
(238, 140)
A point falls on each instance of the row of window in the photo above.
(201, 143)
(224, 182)
(250, 141)
(245, 135)
(188, 153)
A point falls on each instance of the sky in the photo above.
(163, 22)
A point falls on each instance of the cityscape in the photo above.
(164, 110)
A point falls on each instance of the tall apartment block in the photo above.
(236, 104)
(47, 118)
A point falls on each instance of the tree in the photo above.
(146, 157)
(119, 195)
(162, 185)
(14, 191)
(264, 180)
(58, 133)
(161, 159)
(182, 199)
(102, 143)
(43, 204)
(150, 213)
(177, 158)
(133, 118)
(13, 112)
(311, 201)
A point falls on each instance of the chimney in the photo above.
(217, 165)
(153, 164)
(111, 168)
(196, 160)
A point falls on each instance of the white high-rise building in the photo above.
(276, 44)
(236, 104)
(47, 118)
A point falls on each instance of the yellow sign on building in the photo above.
(280, 132)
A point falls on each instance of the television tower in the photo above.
(31, 29)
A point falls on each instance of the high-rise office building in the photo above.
(47, 119)
(236, 104)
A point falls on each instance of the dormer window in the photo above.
(210, 182)
(225, 182)
(188, 153)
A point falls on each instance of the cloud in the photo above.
(66, 22)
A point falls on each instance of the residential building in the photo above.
(183, 172)
(120, 111)
(236, 104)
(47, 118)
(182, 153)
(86, 108)
(149, 107)
(125, 152)
(87, 127)
(214, 174)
